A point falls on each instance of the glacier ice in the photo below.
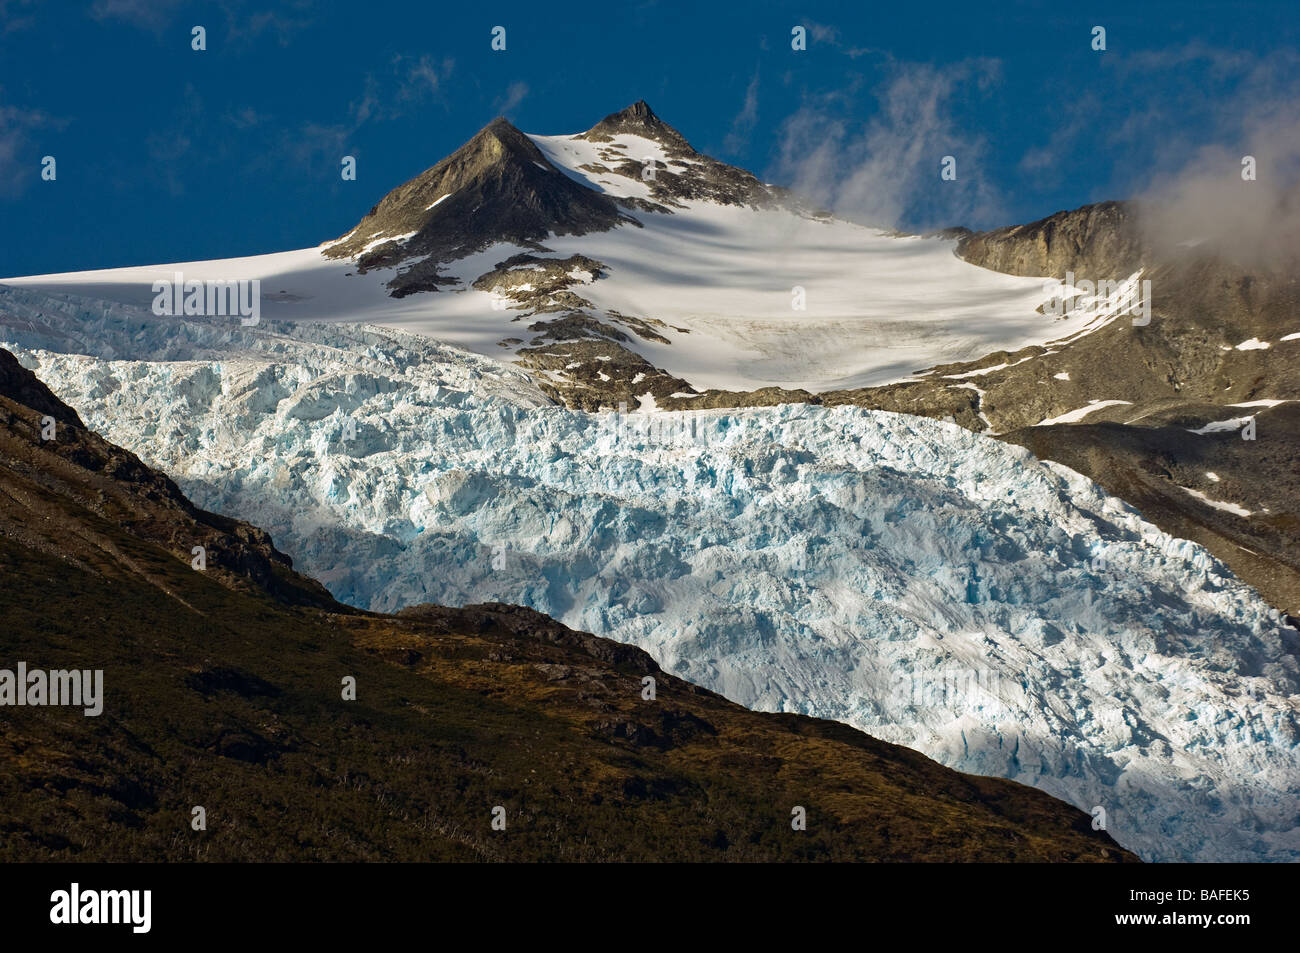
(932, 587)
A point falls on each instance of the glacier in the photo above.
(930, 586)
(717, 278)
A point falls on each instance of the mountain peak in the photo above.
(501, 187)
(503, 131)
(638, 120)
(497, 187)
(639, 110)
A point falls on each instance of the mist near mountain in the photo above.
(1210, 207)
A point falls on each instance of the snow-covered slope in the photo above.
(930, 586)
(743, 294)
(879, 308)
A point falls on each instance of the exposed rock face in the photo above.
(1176, 477)
(618, 375)
(639, 120)
(498, 187)
(1195, 282)
(1101, 240)
(574, 342)
(704, 178)
(541, 284)
(20, 385)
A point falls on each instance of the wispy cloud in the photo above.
(1236, 105)
(743, 124)
(424, 77)
(1045, 164)
(244, 26)
(19, 159)
(1208, 200)
(887, 171)
(244, 22)
(152, 15)
(514, 95)
(312, 142)
(825, 35)
(408, 83)
(168, 146)
(16, 15)
(822, 33)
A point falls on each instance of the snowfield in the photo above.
(876, 307)
(932, 587)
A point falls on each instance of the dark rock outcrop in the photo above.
(498, 187)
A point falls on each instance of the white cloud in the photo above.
(19, 155)
(515, 95)
(425, 77)
(147, 14)
(743, 124)
(1197, 191)
(886, 171)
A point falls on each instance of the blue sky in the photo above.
(164, 153)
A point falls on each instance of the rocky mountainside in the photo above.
(1102, 240)
(114, 486)
(674, 173)
(498, 187)
(1219, 362)
(222, 692)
